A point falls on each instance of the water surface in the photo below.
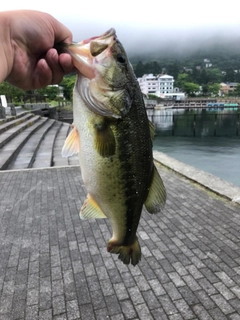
(217, 155)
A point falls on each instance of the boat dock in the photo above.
(54, 266)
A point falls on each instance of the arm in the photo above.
(28, 59)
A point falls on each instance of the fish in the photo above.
(113, 137)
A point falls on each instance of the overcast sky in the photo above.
(136, 23)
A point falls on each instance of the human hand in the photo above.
(32, 61)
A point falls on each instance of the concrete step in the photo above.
(16, 130)
(73, 160)
(10, 118)
(15, 122)
(58, 160)
(10, 150)
(44, 154)
(27, 154)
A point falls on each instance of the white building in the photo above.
(149, 84)
(157, 85)
(166, 84)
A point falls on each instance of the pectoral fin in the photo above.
(91, 210)
(71, 144)
(157, 194)
(104, 141)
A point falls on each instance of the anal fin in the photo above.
(91, 210)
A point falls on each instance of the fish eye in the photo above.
(120, 58)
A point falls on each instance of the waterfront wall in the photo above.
(204, 123)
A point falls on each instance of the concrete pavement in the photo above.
(55, 266)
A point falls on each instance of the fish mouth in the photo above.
(84, 52)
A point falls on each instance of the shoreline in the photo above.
(207, 180)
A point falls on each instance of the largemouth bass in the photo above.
(113, 137)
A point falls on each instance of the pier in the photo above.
(55, 266)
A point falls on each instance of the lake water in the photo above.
(219, 155)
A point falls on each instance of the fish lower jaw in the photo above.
(126, 253)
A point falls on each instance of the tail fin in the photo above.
(127, 254)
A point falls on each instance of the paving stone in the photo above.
(225, 278)
(150, 299)
(172, 291)
(31, 313)
(177, 280)
(55, 266)
(159, 314)
(143, 312)
(73, 310)
(167, 305)
(217, 314)
(121, 291)
(135, 295)
(184, 309)
(220, 301)
(207, 286)
(188, 295)
(235, 316)
(225, 292)
(205, 299)
(128, 309)
(58, 304)
(97, 299)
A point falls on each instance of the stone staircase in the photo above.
(30, 141)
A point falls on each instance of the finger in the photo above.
(65, 60)
(42, 75)
(54, 65)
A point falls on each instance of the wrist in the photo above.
(6, 52)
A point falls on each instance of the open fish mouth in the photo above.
(109, 33)
(86, 51)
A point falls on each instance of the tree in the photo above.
(156, 68)
(68, 84)
(214, 75)
(230, 75)
(237, 90)
(196, 76)
(12, 93)
(181, 79)
(139, 69)
(173, 69)
(214, 89)
(190, 88)
(205, 89)
(51, 92)
(203, 78)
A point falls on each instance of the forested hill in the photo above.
(224, 56)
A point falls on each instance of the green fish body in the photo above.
(113, 138)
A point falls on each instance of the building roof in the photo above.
(166, 76)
